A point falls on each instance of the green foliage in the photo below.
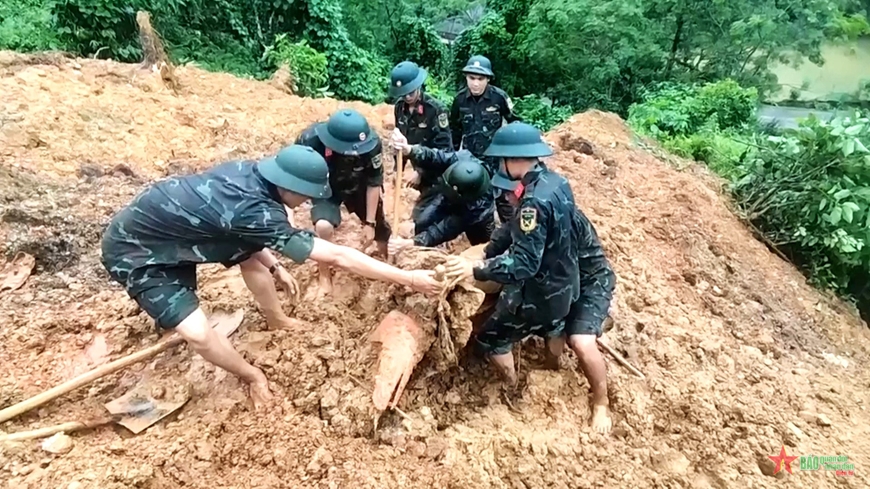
(541, 112)
(440, 89)
(106, 26)
(418, 43)
(307, 65)
(809, 190)
(356, 74)
(682, 110)
(25, 25)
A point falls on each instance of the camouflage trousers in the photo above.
(504, 328)
(166, 293)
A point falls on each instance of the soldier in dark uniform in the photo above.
(420, 120)
(229, 214)
(533, 255)
(353, 152)
(478, 112)
(467, 206)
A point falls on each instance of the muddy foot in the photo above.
(324, 289)
(601, 421)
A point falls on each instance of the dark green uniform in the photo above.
(449, 217)
(425, 123)
(350, 176)
(223, 215)
(597, 281)
(535, 257)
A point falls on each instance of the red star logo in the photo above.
(782, 460)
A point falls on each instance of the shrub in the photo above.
(307, 65)
(541, 112)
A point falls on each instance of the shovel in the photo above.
(224, 324)
(136, 410)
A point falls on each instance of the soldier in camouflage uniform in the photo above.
(534, 255)
(467, 204)
(420, 120)
(356, 175)
(478, 111)
(229, 214)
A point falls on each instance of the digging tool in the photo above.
(222, 323)
(619, 358)
(136, 410)
(397, 193)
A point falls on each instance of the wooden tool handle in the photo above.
(50, 430)
(87, 377)
(397, 193)
(619, 358)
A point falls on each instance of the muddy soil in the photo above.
(740, 355)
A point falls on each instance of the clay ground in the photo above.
(741, 356)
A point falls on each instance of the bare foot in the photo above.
(601, 421)
(259, 391)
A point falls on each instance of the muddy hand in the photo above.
(396, 245)
(397, 137)
(287, 283)
(424, 281)
(457, 267)
(259, 391)
(368, 235)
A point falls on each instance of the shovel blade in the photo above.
(138, 409)
(226, 324)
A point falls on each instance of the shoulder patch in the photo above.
(528, 219)
(442, 120)
(376, 161)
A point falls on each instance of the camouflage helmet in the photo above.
(347, 132)
(298, 169)
(478, 65)
(405, 78)
(466, 179)
(518, 140)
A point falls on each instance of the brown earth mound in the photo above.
(741, 356)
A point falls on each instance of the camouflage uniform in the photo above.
(474, 121)
(539, 270)
(597, 281)
(443, 220)
(223, 215)
(350, 176)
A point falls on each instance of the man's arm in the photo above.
(431, 159)
(499, 242)
(507, 110)
(440, 232)
(523, 258)
(455, 124)
(353, 261)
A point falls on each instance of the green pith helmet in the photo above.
(347, 132)
(405, 78)
(479, 65)
(298, 169)
(518, 140)
(466, 179)
(502, 181)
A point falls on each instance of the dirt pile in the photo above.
(741, 356)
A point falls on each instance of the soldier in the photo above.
(478, 112)
(467, 204)
(420, 120)
(534, 255)
(356, 175)
(228, 214)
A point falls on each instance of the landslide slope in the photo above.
(741, 355)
